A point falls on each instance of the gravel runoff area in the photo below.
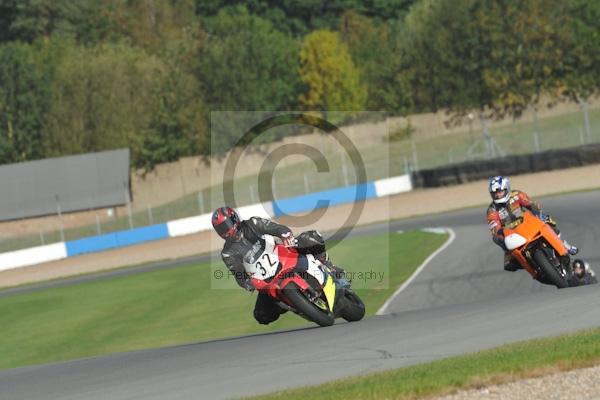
(417, 202)
(579, 384)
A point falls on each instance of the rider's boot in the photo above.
(510, 264)
(572, 250)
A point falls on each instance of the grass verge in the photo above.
(503, 364)
(176, 305)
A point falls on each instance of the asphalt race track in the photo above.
(461, 302)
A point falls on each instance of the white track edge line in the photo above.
(448, 242)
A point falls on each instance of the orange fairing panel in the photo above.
(516, 254)
(553, 239)
(530, 227)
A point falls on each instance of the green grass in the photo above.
(174, 306)
(502, 364)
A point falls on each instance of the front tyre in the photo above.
(305, 307)
(354, 308)
(548, 270)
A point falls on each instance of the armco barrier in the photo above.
(186, 226)
(509, 165)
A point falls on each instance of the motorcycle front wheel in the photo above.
(354, 308)
(550, 273)
(304, 306)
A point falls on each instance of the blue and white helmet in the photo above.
(499, 188)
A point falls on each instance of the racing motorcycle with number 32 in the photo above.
(301, 283)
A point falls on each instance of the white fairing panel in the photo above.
(514, 240)
(314, 268)
(262, 265)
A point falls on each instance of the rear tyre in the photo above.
(305, 307)
(550, 273)
(354, 308)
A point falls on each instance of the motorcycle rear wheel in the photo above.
(550, 273)
(305, 307)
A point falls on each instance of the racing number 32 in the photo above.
(265, 266)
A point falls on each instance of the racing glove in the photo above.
(289, 240)
(248, 285)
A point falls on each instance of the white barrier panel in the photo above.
(32, 256)
(201, 223)
(397, 184)
(187, 226)
(264, 210)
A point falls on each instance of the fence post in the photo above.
(253, 198)
(586, 118)
(128, 203)
(306, 185)
(98, 227)
(274, 186)
(536, 130)
(59, 212)
(414, 155)
(344, 169)
(42, 237)
(150, 216)
(200, 202)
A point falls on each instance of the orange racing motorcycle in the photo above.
(536, 246)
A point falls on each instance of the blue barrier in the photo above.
(116, 239)
(326, 198)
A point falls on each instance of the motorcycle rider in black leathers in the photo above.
(582, 274)
(241, 235)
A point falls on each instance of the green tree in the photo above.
(178, 126)
(529, 46)
(28, 20)
(246, 64)
(24, 99)
(301, 17)
(332, 81)
(102, 99)
(381, 70)
(151, 24)
(445, 55)
(581, 63)
(496, 57)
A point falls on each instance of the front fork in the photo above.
(561, 263)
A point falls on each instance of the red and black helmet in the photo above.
(226, 222)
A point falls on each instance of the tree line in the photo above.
(93, 75)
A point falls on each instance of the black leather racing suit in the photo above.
(234, 250)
